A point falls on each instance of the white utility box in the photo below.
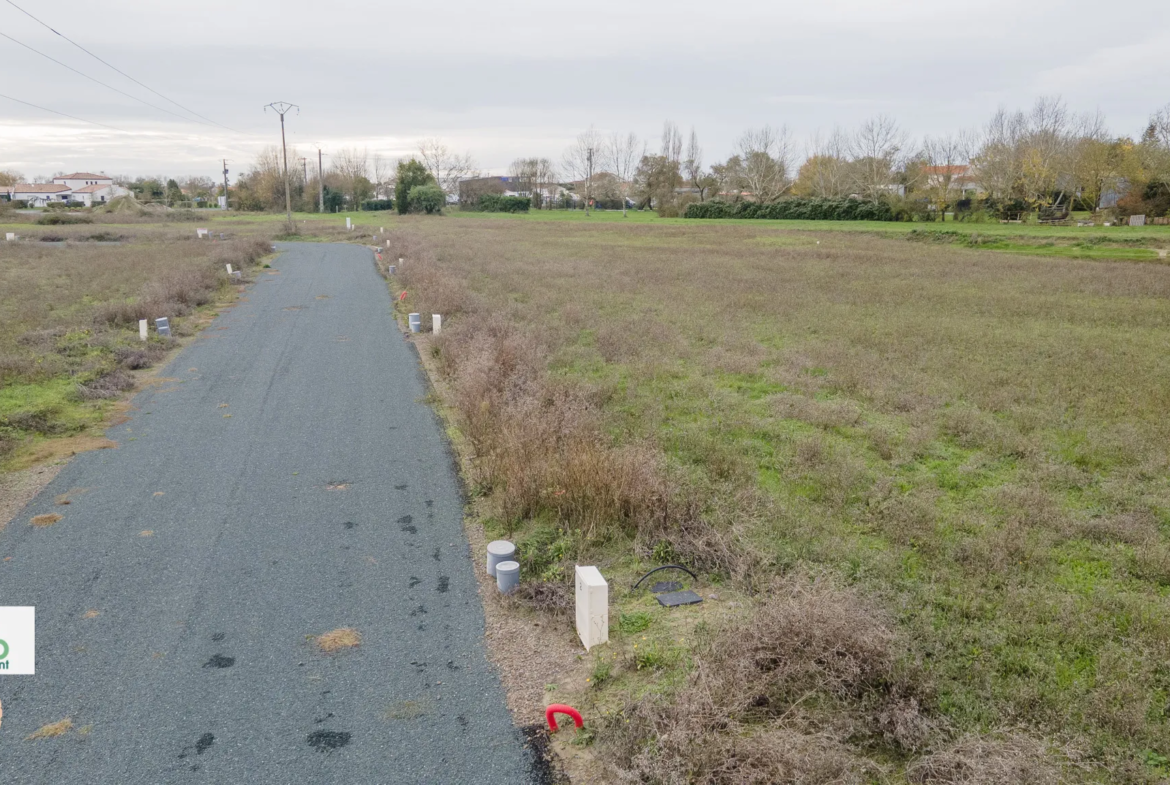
(592, 607)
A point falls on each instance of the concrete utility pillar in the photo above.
(592, 607)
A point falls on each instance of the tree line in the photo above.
(1042, 158)
(353, 179)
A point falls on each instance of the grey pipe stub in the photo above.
(499, 551)
(507, 576)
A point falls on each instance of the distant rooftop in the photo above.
(39, 188)
(83, 176)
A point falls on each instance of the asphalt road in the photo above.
(285, 481)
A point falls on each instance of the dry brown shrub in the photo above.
(907, 518)
(1151, 562)
(1124, 685)
(551, 597)
(1136, 527)
(809, 636)
(824, 414)
(108, 385)
(538, 443)
(1032, 506)
(1007, 759)
(739, 718)
(684, 754)
(837, 473)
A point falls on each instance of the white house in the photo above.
(39, 194)
(97, 193)
(82, 179)
(84, 187)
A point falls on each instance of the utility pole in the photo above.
(320, 184)
(588, 178)
(225, 190)
(282, 108)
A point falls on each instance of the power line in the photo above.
(54, 111)
(93, 79)
(108, 65)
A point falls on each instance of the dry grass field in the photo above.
(934, 478)
(70, 301)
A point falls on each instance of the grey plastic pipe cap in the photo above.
(507, 576)
(499, 551)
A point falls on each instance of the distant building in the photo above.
(963, 178)
(39, 194)
(84, 187)
(474, 187)
(83, 179)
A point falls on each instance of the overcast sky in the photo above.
(504, 78)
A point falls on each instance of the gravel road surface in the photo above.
(283, 480)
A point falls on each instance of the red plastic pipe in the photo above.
(560, 708)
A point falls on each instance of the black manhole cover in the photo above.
(675, 598)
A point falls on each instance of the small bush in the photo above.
(738, 717)
(427, 199)
(795, 209)
(495, 203)
(374, 205)
(57, 219)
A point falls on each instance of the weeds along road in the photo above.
(284, 481)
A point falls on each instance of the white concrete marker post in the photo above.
(348, 225)
(387, 243)
(592, 607)
(436, 323)
(229, 269)
(143, 329)
(10, 236)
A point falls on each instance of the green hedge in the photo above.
(495, 203)
(378, 204)
(427, 199)
(796, 209)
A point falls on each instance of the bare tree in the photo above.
(622, 154)
(875, 148)
(522, 173)
(825, 173)
(546, 181)
(672, 143)
(447, 167)
(384, 172)
(766, 155)
(692, 165)
(945, 168)
(583, 158)
(1154, 150)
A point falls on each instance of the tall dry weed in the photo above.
(754, 708)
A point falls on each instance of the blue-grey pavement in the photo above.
(284, 479)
